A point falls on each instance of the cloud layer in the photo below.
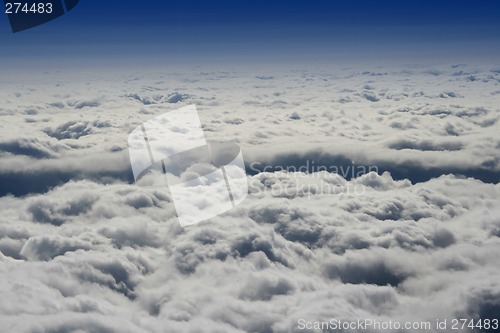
(84, 249)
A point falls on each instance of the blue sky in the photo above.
(185, 29)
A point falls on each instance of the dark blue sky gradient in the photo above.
(184, 29)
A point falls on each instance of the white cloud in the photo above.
(82, 249)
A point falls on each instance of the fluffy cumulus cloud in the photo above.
(372, 195)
